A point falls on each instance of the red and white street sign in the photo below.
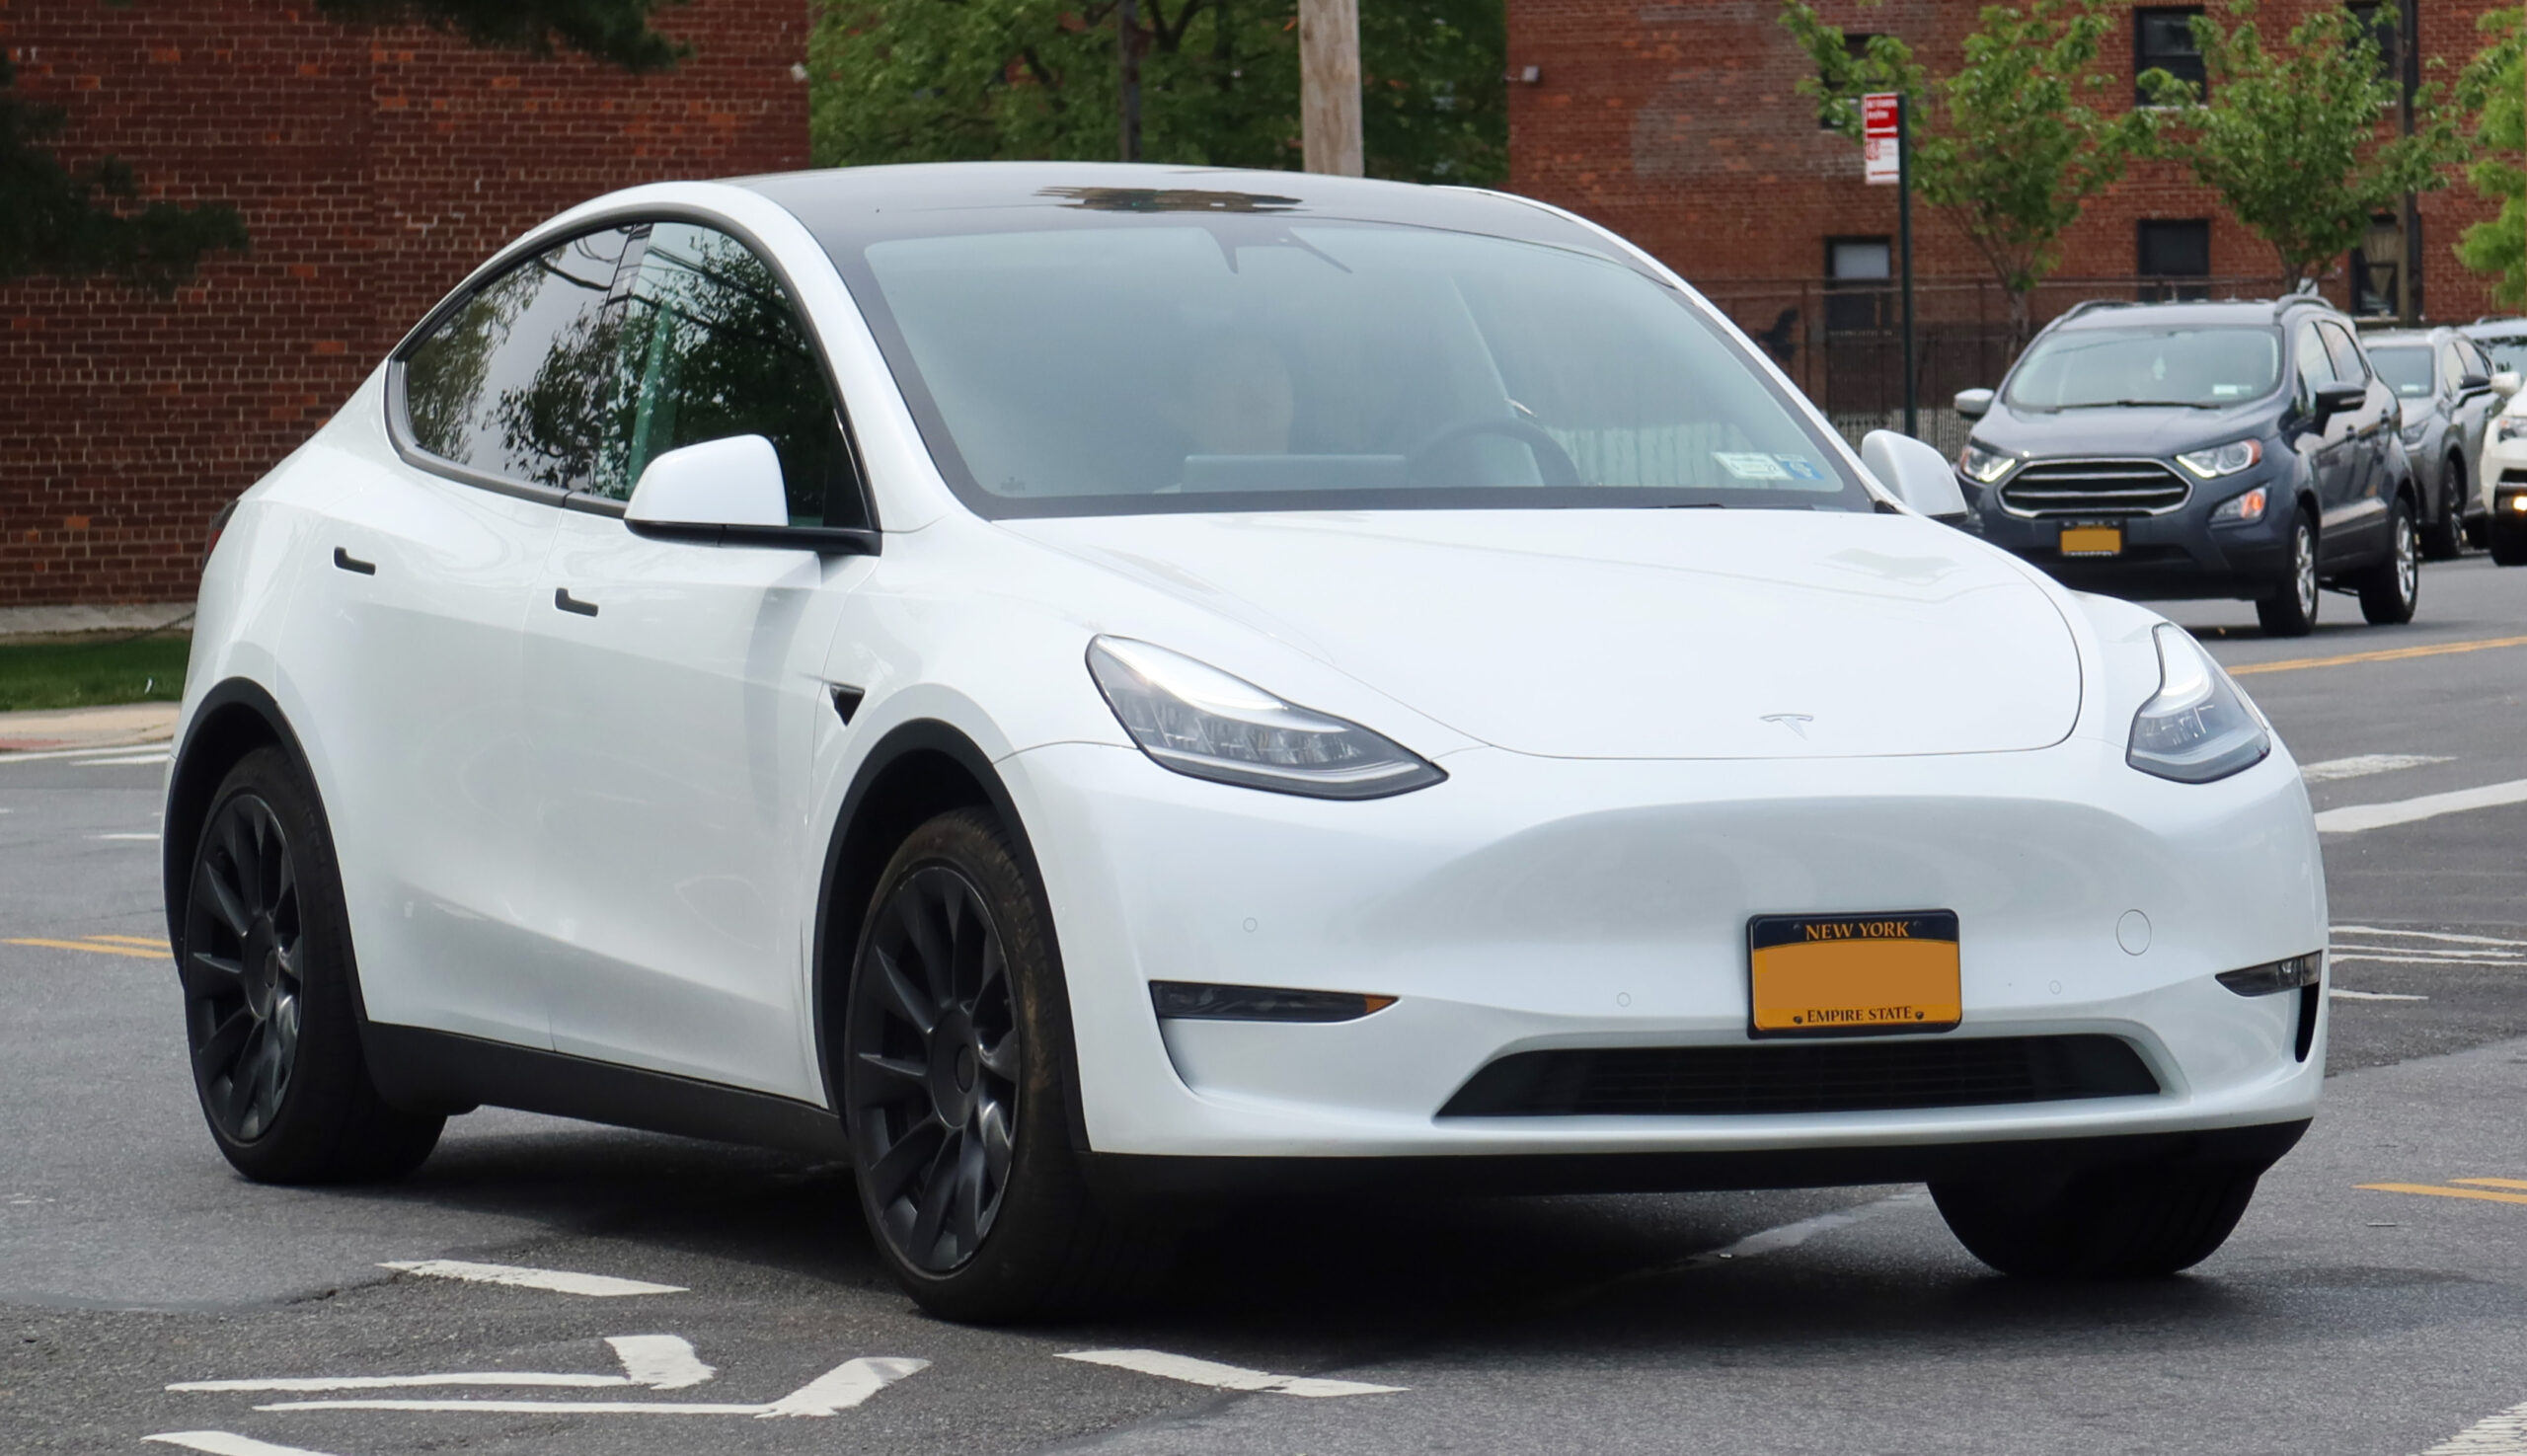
(1878, 143)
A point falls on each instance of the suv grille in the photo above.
(2094, 488)
(1812, 1077)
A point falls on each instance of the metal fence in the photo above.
(1841, 343)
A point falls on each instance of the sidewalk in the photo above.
(64, 621)
(86, 727)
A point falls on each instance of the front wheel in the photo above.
(271, 1010)
(2115, 1224)
(954, 1065)
(2391, 589)
(2290, 610)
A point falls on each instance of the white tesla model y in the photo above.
(1071, 685)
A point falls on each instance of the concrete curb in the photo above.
(66, 621)
(118, 727)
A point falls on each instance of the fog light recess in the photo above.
(1196, 1001)
(2277, 976)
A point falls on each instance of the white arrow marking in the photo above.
(2340, 994)
(222, 1443)
(2504, 1434)
(559, 1282)
(660, 1361)
(837, 1390)
(1224, 1377)
(2354, 817)
(2363, 764)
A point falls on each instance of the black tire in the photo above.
(2479, 532)
(2392, 589)
(2444, 539)
(955, 1060)
(2116, 1224)
(2290, 610)
(271, 1005)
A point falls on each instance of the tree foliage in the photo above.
(2495, 89)
(613, 31)
(2013, 145)
(951, 80)
(2299, 137)
(67, 223)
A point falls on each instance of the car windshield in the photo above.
(2404, 366)
(1225, 361)
(2508, 352)
(2205, 368)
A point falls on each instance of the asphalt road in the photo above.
(2339, 1318)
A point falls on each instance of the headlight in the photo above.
(1200, 722)
(2510, 427)
(2222, 460)
(2414, 430)
(2246, 507)
(1983, 466)
(2196, 727)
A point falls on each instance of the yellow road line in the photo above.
(2389, 654)
(131, 940)
(2439, 1192)
(150, 955)
(2494, 1183)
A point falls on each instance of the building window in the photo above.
(1857, 274)
(2386, 23)
(2163, 38)
(2376, 265)
(1857, 48)
(2171, 249)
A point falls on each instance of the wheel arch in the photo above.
(919, 770)
(236, 716)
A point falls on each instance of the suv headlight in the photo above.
(2198, 727)
(1983, 465)
(2510, 427)
(2222, 460)
(1204, 724)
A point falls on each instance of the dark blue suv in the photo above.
(2237, 448)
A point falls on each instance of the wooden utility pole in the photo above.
(1127, 61)
(1330, 86)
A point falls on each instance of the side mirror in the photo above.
(1915, 474)
(2473, 383)
(1973, 404)
(2504, 383)
(2336, 399)
(735, 482)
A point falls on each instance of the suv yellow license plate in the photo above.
(2092, 540)
(1854, 976)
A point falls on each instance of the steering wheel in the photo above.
(1552, 461)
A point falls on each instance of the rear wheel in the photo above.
(270, 1011)
(2118, 1223)
(2391, 589)
(2445, 537)
(2290, 610)
(953, 1088)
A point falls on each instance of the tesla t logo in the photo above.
(1797, 723)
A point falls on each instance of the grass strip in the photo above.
(81, 674)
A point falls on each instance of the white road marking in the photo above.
(2504, 1434)
(121, 758)
(1786, 1236)
(40, 755)
(401, 1382)
(2435, 952)
(836, 1391)
(2429, 935)
(1223, 1377)
(224, 1443)
(660, 1361)
(2352, 819)
(2361, 765)
(152, 838)
(559, 1282)
(2386, 957)
(2340, 994)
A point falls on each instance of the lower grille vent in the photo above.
(1813, 1077)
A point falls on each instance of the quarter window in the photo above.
(505, 384)
(2348, 365)
(2316, 366)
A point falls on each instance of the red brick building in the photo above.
(1678, 122)
(374, 169)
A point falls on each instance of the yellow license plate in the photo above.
(2092, 540)
(1854, 976)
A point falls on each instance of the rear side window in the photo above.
(512, 382)
(2316, 366)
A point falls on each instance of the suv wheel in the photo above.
(2291, 610)
(2391, 589)
(2446, 539)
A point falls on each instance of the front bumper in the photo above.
(2179, 555)
(1532, 903)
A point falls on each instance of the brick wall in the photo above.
(374, 169)
(1678, 123)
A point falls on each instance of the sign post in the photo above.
(1886, 157)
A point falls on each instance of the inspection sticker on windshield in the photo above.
(1748, 466)
(1801, 468)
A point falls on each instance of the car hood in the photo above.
(1634, 634)
(2124, 434)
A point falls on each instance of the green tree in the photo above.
(2300, 138)
(85, 222)
(2010, 148)
(945, 80)
(2495, 89)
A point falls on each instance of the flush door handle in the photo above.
(349, 563)
(563, 598)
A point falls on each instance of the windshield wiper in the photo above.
(2145, 405)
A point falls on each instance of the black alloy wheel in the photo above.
(935, 1065)
(2291, 610)
(271, 992)
(2392, 589)
(244, 955)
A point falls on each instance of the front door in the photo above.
(675, 699)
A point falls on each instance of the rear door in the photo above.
(676, 697)
(2358, 531)
(2326, 448)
